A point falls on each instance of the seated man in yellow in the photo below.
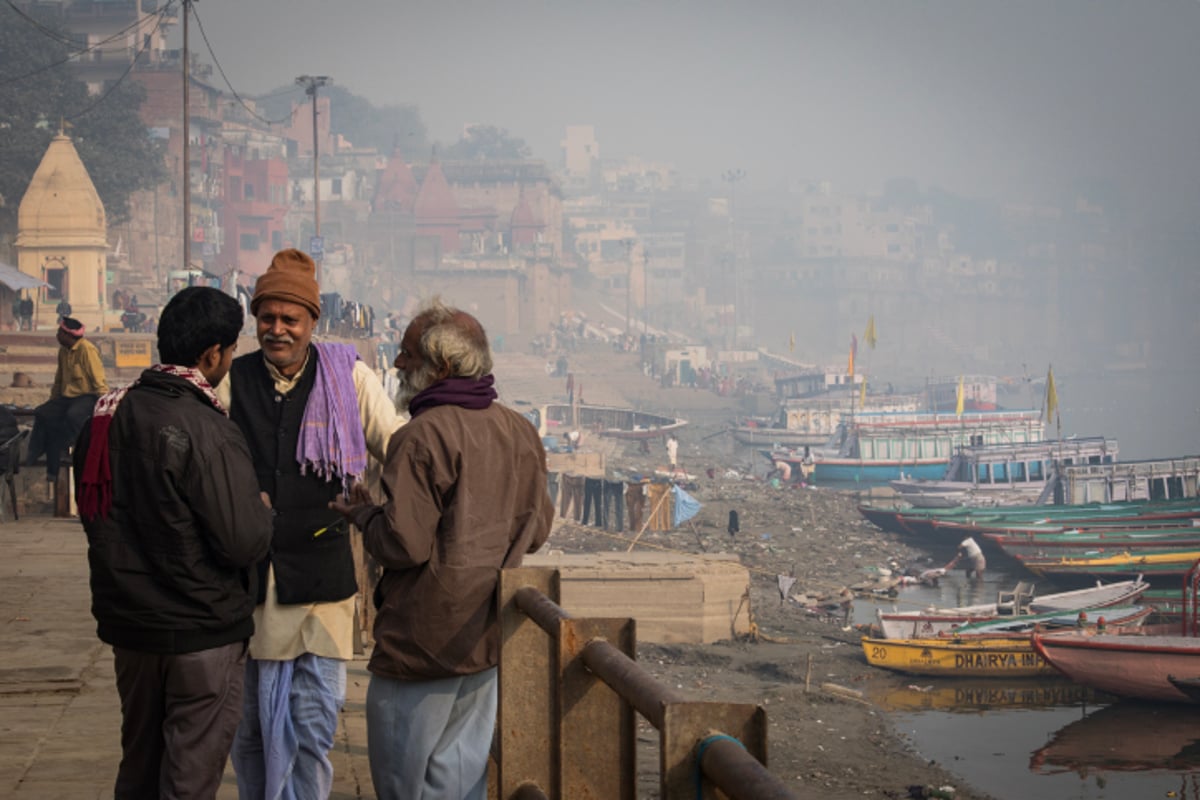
(78, 382)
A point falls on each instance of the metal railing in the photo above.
(568, 692)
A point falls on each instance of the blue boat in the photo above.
(877, 447)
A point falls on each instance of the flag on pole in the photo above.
(792, 342)
(958, 404)
(853, 350)
(862, 394)
(1051, 396)
(869, 336)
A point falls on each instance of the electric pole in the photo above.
(732, 176)
(311, 83)
(628, 245)
(187, 136)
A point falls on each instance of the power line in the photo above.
(234, 92)
(136, 23)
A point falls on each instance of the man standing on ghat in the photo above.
(465, 481)
(311, 413)
(175, 526)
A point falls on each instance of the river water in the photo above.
(1036, 739)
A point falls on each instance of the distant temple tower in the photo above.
(61, 236)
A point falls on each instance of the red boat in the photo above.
(1142, 667)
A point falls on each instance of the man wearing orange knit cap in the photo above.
(312, 413)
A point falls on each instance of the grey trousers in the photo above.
(178, 716)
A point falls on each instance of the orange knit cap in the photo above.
(292, 277)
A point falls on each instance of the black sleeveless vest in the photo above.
(310, 546)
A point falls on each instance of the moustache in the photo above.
(284, 339)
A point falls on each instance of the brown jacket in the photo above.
(467, 495)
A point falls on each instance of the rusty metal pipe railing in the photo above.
(723, 760)
(643, 691)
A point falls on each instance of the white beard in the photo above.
(411, 386)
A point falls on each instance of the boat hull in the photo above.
(1124, 665)
(999, 657)
(926, 623)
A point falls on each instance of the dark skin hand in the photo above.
(351, 504)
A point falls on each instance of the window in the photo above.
(249, 191)
(57, 278)
(248, 241)
(277, 240)
(337, 187)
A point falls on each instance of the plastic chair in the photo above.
(1020, 597)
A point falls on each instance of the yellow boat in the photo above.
(990, 657)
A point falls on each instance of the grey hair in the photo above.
(454, 340)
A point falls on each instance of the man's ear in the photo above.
(210, 358)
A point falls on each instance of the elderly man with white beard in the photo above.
(465, 482)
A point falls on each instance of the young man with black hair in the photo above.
(175, 526)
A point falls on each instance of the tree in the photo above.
(487, 143)
(39, 94)
(358, 120)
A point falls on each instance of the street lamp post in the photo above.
(628, 245)
(311, 83)
(645, 291)
(732, 176)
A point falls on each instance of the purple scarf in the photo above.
(331, 439)
(476, 393)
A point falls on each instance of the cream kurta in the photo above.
(285, 632)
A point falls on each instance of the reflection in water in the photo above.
(1124, 737)
(959, 696)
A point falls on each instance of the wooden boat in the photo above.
(1132, 562)
(614, 423)
(1152, 479)
(1127, 666)
(1189, 686)
(875, 447)
(992, 657)
(1139, 667)
(812, 419)
(1112, 616)
(1151, 736)
(978, 392)
(954, 523)
(936, 621)
(1007, 473)
(1094, 541)
(985, 654)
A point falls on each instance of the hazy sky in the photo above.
(1005, 97)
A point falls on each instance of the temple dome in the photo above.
(61, 206)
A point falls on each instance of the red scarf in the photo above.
(94, 495)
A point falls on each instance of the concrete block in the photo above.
(673, 598)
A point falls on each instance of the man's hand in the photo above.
(351, 504)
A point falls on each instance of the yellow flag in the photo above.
(869, 336)
(792, 342)
(1051, 396)
(862, 394)
(958, 405)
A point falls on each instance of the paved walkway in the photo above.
(60, 716)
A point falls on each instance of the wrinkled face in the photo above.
(284, 332)
(415, 374)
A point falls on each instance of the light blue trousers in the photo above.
(429, 740)
(289, 719)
